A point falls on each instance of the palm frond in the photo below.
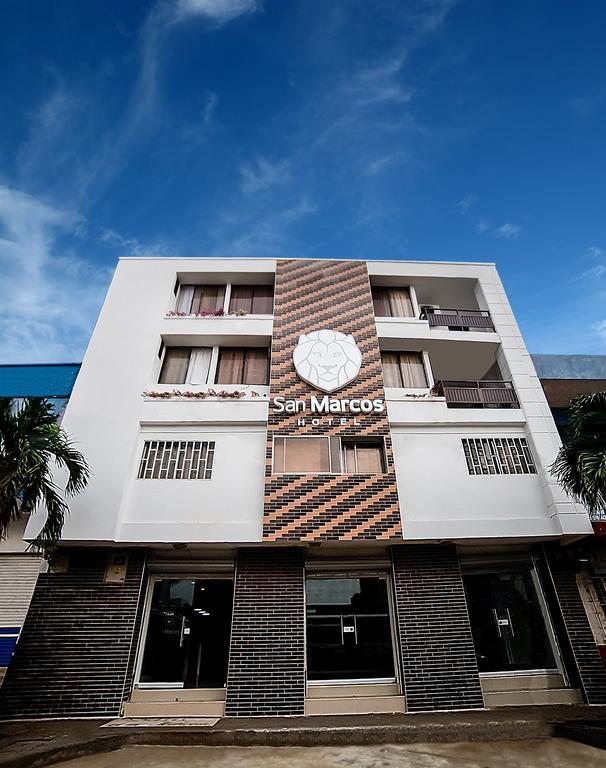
(580, 465)
(32, 444)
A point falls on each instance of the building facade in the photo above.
(19, 566)
(318, 487)
(564, 377)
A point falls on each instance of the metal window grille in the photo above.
(498, 456)
(176, 460)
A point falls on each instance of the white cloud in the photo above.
(51, 301)
(218, 11)
(258, 234)
(508, 231)
(595, 253)
(374, 167)
(130, 246)
(600, 329)
(467, 208)
(466, 204)
(263, 175)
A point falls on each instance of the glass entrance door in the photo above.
(348, 629)
(187, 641)
(507, 621)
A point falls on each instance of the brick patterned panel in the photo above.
(585, 653)
(266, 673)
(438, 656)
(309, 296)
(76, 650)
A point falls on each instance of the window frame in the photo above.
(523, 462)
(181, 286)
(359, 442)
(213, 366)
(341, 440)
(190, 364)
(244, 367)
(253, 286)
(425, 361)
(227, 295)
(206, 449)
(412, 295)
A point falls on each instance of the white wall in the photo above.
(439, 499)
(107, 414)
(106, 408)
(228, 507)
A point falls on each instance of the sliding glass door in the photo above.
(349, 629)
(187, 640)
(508, 620)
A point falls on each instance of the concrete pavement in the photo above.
(33, 744)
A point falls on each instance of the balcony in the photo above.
(477, 394)
(458, 319)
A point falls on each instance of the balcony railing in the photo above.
(477, 394)
(458, 319)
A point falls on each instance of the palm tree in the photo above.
(31, 445)
(580, 465)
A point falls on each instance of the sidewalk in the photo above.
(37, 743)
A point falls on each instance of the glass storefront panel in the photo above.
(507, 621)
(348, 629)
(187, 641)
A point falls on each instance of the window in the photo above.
(184, 365)
(363, 456)
(243, 366)
(176, 460)
(198, 299)
(392, 302)
(509, 624)
(307, 454)
(328, 454)
(252, 299)
(498, 456)
(404, 369)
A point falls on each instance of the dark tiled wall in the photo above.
(266, 674)
(76, 651)
(309, 296)
(438, 657)
(581, 643)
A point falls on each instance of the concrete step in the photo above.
(349, 691)
(178, 694)
(355, 705)
(527, 697)
(521, 682)
(174, 709)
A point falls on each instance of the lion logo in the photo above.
(328, 360)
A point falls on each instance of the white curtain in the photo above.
(401, 305)
(412, 369)
(199, 365)
(186, 295)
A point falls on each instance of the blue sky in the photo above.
(392, 129)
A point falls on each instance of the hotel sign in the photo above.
(328, 360)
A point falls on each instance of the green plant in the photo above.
(32, 444)
(580, 465)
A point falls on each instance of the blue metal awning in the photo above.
(37, 380)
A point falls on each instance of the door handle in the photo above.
(182, 636)
(503, 622)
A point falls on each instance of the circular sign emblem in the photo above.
(328, 360)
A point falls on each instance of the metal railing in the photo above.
(477, 394)
(457, 319)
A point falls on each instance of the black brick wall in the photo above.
(76, 651)
(581, 643)
(438, 658)
(266, 674)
